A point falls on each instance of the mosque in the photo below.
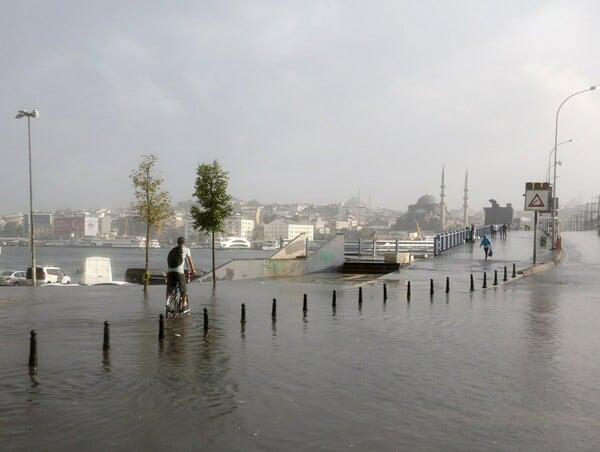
(432, 216)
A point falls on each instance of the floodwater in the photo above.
(512, 368)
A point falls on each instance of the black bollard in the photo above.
(431, 287)
(359, 295)
(495, 277)
(161, 326)
(408, 291)
(274, 309)
(472, 283)
(243, 312)
(447, 284)
(333, 298)
(384, 292)
(106, 342)
(33, 352)
(304, 304)
(514, 271)
(205, 320)
(505, 275)
(484, 280)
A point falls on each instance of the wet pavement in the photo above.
(513, 367)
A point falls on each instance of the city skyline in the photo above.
(300, 102)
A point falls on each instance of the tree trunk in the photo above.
(212, 233)
(146, 275)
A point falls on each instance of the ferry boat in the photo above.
(233, 242)
(124, 242)
(270, 245)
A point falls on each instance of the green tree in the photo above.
(152, 203)
(214, 204)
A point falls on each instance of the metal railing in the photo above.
(448, 240)
(378, 247)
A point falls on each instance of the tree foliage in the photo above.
(213, 202)
(152, 204)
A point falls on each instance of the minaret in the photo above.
(443, 202)
(466, 201)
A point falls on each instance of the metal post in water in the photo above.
(359, 295)
(304, 304)
(384, 292)
(408, 291)
(161, 326)
(447, 284)
(243, 313)
(274, 309)
(33, 351)
(484, 280)
(472, 283)
(505, 275)
(333, 298)
(495, 277)
(205, 320)
(431, 286)
(106, 341)
(514, 274)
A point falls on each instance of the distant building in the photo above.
(239, 227)
(497, 214)
(75, 227)
(281, 230)
(42, 225)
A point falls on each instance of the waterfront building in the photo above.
(239, 227)
(282, 230)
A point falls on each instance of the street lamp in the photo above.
(30, 114)
(572, 140)
(591, 88)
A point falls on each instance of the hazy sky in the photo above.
(300, 101)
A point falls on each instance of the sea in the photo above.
(70, 259)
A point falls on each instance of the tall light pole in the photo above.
(572, 140)
(30, 114)
(591, 88)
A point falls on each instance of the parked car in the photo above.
(46, 274)
(136, 276)
(12, 278)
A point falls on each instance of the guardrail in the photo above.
(433, 245)
(375, 247)
(448, 240)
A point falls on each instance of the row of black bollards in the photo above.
(161, 328)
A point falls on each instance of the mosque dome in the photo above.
(426, 200)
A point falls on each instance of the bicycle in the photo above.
(174, 303)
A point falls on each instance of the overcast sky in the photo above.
(300, 101)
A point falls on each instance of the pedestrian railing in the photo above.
(448, 240)
(378, 247)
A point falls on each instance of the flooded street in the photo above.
(511, 368)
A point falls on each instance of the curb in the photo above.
(538, 268)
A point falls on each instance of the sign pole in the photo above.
(535, 227)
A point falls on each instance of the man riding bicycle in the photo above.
(180, 257)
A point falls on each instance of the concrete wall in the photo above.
(292, 262)
(328, 257)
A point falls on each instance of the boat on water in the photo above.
(123, 242)
(270, 245)
(233, 243)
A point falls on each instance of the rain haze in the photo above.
(312, 101)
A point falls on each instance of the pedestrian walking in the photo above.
(487, 246)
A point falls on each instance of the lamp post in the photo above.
(30, 114)
(591, 88)
(572, 140)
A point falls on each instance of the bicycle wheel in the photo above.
(172, 306)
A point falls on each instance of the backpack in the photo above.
(174, 258)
